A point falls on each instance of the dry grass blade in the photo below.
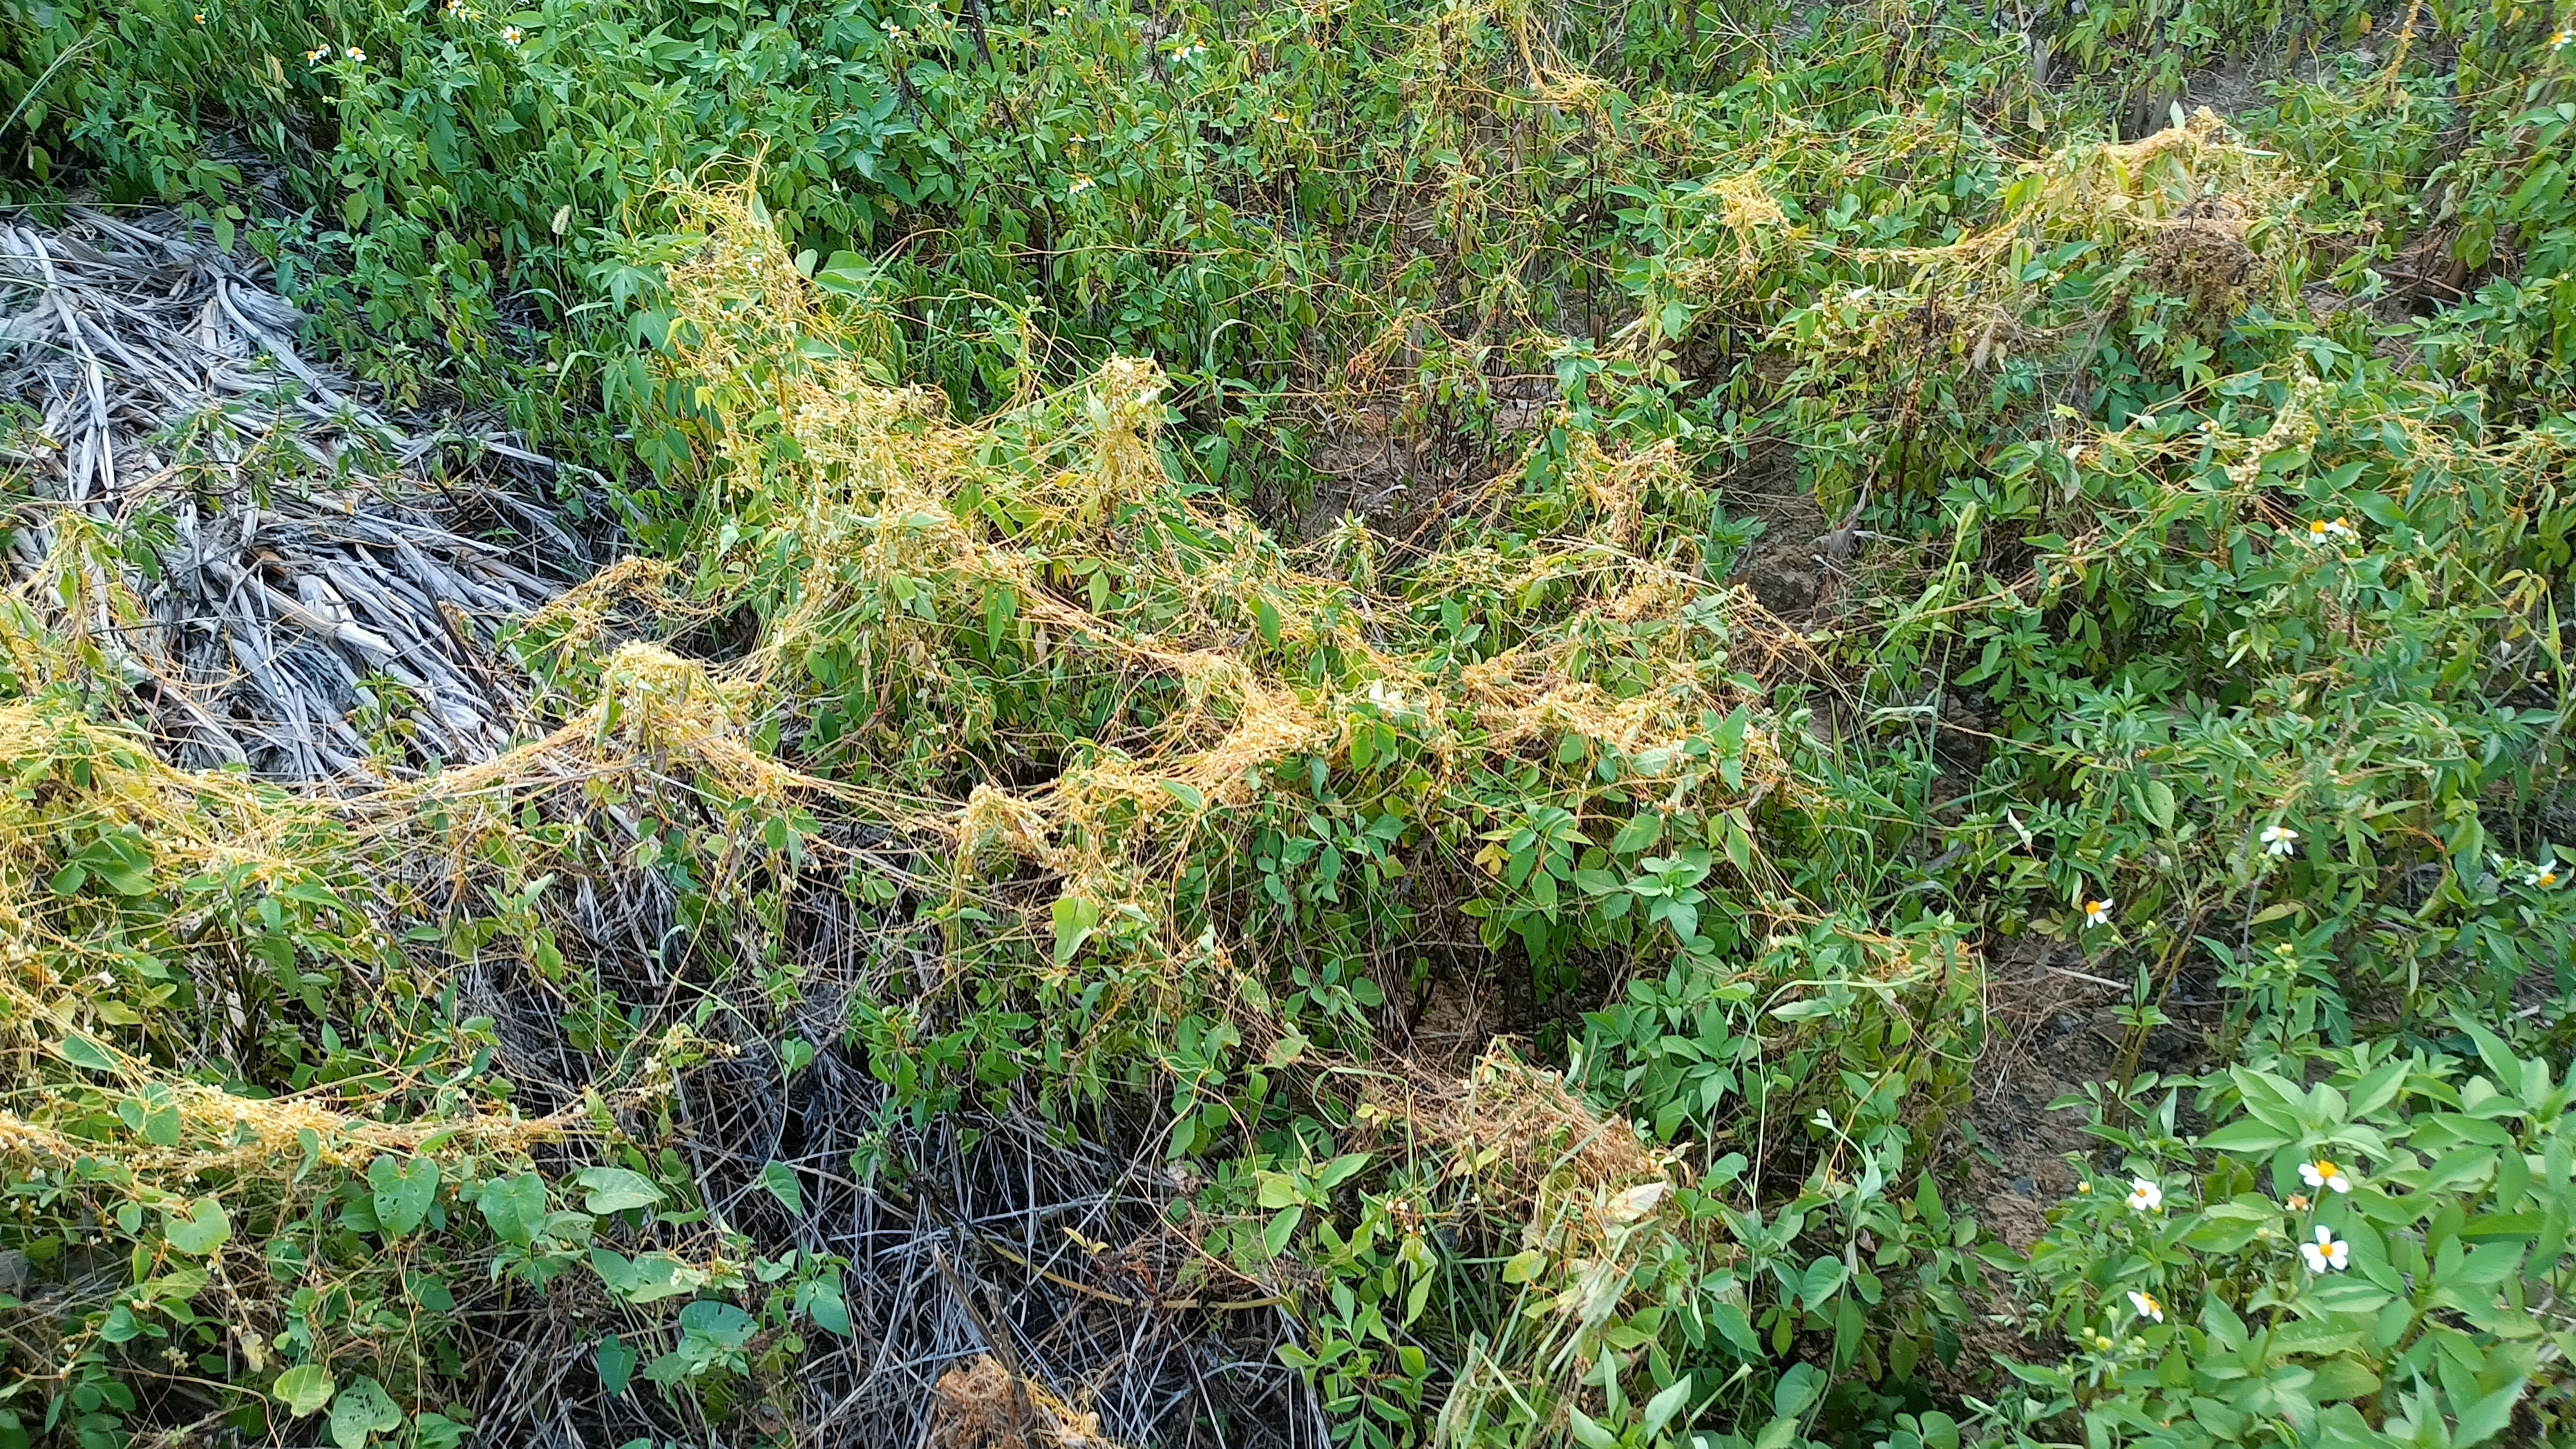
(304, 586)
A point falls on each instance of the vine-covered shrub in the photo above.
(2184, 612)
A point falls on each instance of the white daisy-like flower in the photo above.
(2545, 876)
(2277, 840)
(318, 53)
(2146, 1305)
(2298, 1202)
(509, 35)
(357, 55)
(2562, 40)
(2323, 1173)
(1080, 185)
(2145, 1196)
(2097, 913)
(2327, 1253)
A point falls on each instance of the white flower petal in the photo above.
(1638, 1201)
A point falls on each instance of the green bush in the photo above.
(2364, 1260)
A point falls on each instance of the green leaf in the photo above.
(1640, 833)
(608, 1190)
(515, 1207)
(121, 1325)
(1185, 792)
(1824, 1277)
(2304, 1336)
(2342, 1378)
(2224, 1234)
(2488, 1417)
(2245, 1137)
(121, 860)
(1739, 842)
(780, 1179)
(825, 1306)
(1802, 1385)
(1283, 1227)
(199, 1233)
(427, 1291)
(1525, 1266)
(1662, 1407)
(616, 1365)
(363, 1408)
(1339, 1170)
(303, 1389)
(2347, 1295)
(80, 1051)
(403, 1193)
(1588, 1433)
(1075, 919)
(1737, 1328)
(721, 1324)
(2158, 798)
(161, 1127)
(1276, 1190)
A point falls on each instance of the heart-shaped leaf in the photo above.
(304, 1388)
(403, 1193)
(200, 1232)
(614, 1189)
(515, 1207)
